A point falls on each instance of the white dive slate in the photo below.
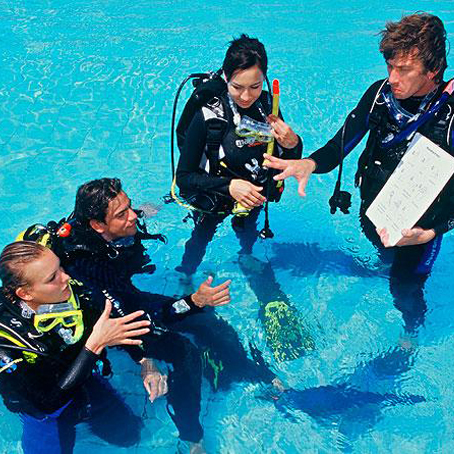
(416, 182)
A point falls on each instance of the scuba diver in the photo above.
(51, 340)
(102, 247)
(161, 343)
(414, 98)
(220, 168)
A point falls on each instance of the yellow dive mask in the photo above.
(37, 233)
(65, 317)
(45, 322)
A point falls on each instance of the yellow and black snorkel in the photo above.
(275, 112)
(266, 231)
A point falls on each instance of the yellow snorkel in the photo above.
(275, 112)
(239, 209)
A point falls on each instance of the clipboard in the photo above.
(420, 176)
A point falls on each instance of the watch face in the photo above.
(181, 306)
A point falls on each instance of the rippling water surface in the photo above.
(86, 91)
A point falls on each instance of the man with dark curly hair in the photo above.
(104, 249)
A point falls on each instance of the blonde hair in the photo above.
(13, 259)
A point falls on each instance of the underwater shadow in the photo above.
(306, 259)
(356, 403)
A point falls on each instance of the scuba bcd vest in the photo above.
(13, 336)
(206, 87)
(21, 329)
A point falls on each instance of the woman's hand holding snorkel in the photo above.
(282, 132)
(301, 169)
(246, 193)
(108, 332)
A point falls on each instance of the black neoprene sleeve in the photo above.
(327, 157)
(79, 371)
(190, 177)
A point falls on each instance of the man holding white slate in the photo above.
(414, 185)
(405, 171)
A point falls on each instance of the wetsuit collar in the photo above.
(421, 118)
(126, 241)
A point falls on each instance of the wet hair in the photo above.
(243, 53)
(422, 32)
(92, 200)
(13, 259)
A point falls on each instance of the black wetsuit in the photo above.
(49, 375)
(410, 264)
(91, 259)
(52, 384)
(205, 182)
(59, 374)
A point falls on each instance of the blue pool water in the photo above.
(86, 91)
